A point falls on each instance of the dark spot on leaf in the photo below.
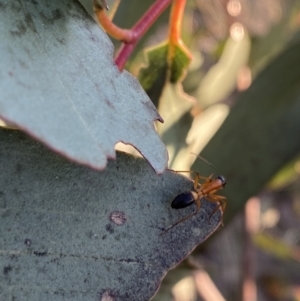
(39, 253)
(2, 200)
(56, 15)
(108, 102)
(61, 41)
(55, 260)
(13, 257)
(7, 269)
(19, 168)
(104, 236)
(93, 38)
(27, 242)
(109, 228)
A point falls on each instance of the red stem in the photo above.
(139, 29)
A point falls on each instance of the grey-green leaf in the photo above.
(58, 82)
(68, 232)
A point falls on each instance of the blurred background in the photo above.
(238, 105)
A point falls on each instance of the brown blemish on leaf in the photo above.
(118, 217)
(107, 295)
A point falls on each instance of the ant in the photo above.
(205, 190)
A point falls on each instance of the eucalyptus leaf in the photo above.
(221, 79)
(58, 82)
(261, 133)
(68, 232)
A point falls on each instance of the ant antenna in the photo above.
(207, 162)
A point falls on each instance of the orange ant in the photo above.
(205, 190)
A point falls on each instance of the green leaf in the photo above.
(179, 63)
(159, 80)
(175, 106)
(261, 133)
(276, 247)
(160, 71)
(221, 79)
(156, 71)
(70, 232)
(285, 176)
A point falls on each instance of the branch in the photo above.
(130, 37)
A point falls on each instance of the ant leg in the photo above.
(206, 183)
(180, 221)
(197, 177)
(196, 180)
(198, 204)
(222, 203)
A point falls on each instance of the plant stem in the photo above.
(112, 29)
(139, 30)
(175, 29)
(176, 21)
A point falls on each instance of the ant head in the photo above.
(222, 179)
